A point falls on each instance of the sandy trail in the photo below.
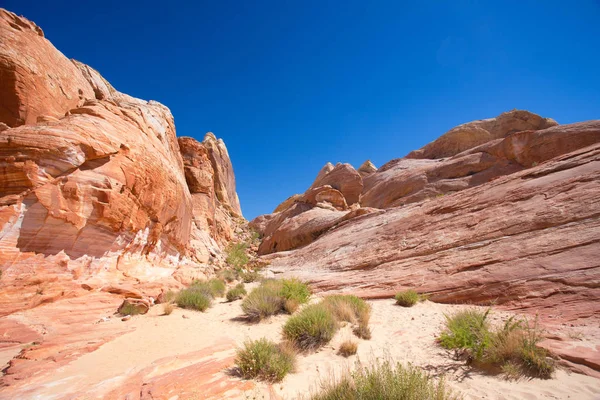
(162, 345)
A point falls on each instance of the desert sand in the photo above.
(163, 347)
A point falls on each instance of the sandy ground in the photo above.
(160, 344)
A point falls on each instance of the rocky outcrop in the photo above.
(342, 177)
(472, 134)
(367, 168)
(98, 199)
(37, 80)
(523, 238)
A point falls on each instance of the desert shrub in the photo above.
(236, 255)
(196, 297)
(249, 276)
(348, 308)
(168, 308)
(362, 331)
(236, 293)
(273, 297)
(467, 330)
(311, 328)
(290, 306)
(265, 360)
(385, 381)
(129, 309)
(294, 289)
(263, 301)
(228, 274)
(407, 298)
(212, 288)
(513, 348)
(169, 296)
(348, 348)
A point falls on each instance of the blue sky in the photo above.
(290, 85)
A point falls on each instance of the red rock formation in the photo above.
(471, 134)
(94, 201)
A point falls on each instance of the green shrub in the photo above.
(407, 298)
(250, 276)
(513, 348)
(228, 275)
(275, 296)
(194, 298)
(294, 289)
(313, 327)
(263, 301)
(129, 309)
(385, 381)
(236, 255)
(213, 288)
(467, 330)
(265, 360)
(236, 293)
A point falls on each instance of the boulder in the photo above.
(342, 177)
(367, 168)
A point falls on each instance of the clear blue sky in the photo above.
(290, 85)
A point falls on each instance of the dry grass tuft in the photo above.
(348, 348)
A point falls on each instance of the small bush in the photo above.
(294, 289)
(513, 348)
(385, 381)
(194, 298)
(290, 306)
(313, 327)
(273, 297)
(348, 308)
(348, 348)
(212, 288)
(265, 360)
(129, 309)
(168, 308)
(362, 331)
(250, 276)
(236, 255)
(263, 301)
(407, 298)
(228, 275)
(236, 293)
(467, 330)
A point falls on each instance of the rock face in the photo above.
(469, 135)
(513, 221)
(97, 196)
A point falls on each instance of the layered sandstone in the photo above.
(99, 201)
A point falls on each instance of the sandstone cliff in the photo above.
(96, 189)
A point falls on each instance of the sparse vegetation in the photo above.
(228, 275)
(275, 296)
(236, 255)
(236, 293)
(194, 298)
(348, 348)
(265, 360)
(249, 276)
(311, 328)
(168, 308)
(512, 348)
(385, 381)
(407, 298)
(352, 309)
(129, 309)
(362, 331)
(169, 296)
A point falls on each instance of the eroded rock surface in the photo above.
(99, 201)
